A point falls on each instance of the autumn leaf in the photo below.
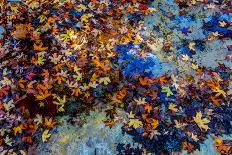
(39, 119)
(122, 93)
(17, 129)
(42, 95)
(49, 122)
(195, 67)
(179, 125)
(105, 80)
(201, 122)
(219, 92)
(153, 94)
(131, 115)
(45, 135)
(140, 101)
(8, 105)
(163, 80)
(135, 123)
(109, 122)
(145, 81)
(66, 36)
(8, 141)
(172, 107)
(167, 90)
(60, 102)
(191, 46)
(39, 47)
(45, 73)
(76, 92)
(215, 100)
(185, 57)
(154, 123)
(148, 107)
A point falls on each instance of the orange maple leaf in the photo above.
(216, 101)
(148, 107)
(163, 80)
(49, 122)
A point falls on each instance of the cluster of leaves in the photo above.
(55, 52)
(170, 114)
(60, 52)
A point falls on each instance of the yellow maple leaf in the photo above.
(140, 101)
(194, 66)
(17, 129)
(105, 80)
(201, 122)
(60, 102)
(135, 123)
(49, 122)
(191, 46)
(173, 107)
(45, 135)
(219, 92)
(42, 95)
(218, 140)
(155, 123)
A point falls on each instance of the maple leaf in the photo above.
(84, 87)
(78, 77)
(201, 122)
(4, 91)
(45, 73)
(179, 125)
(148, 107)
(131, 115)
(39, 47)
(93, 84)
(154, 123)
(185, 57)
(42, 95)
(105, 80)
(115, 100)
(173, 107)
(153, 94)
(45, 135)
(76, 91)
(191, 46)
(195, 67)
(167, 90)
(144, 81)
(163, 80)
(109, 122)
(49, 122)
(39, 119)
(9, 105)
(8, 141)
(219, 92)
(66, 36)
(222, 23)
(218, 140)
(122, 93)
(55, 58)
(216, 101)
(140, 101)
(38, 59)
(135, 123)
(17, 129)
(61, 102)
